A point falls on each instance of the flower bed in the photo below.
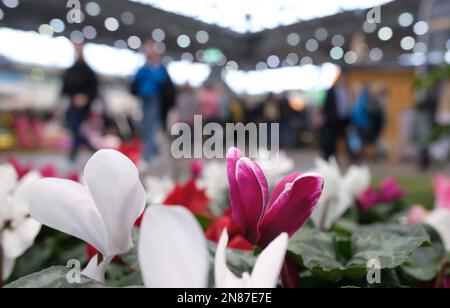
(231, 225)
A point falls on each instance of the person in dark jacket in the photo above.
(335, 116)
(80, 84)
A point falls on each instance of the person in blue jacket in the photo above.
(148, 85)
(368, 115)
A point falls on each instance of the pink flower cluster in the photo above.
(390, 191)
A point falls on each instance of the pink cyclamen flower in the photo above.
(390, 191)
(260, 218)
(441, 185)
(196, 168)
(416, 215)
(368, 199)
(49, 171)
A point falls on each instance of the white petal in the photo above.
(275, 167)
(326, 214)
(67, 207)
(318, 214)
(357, 180)
(332, 178)
(113, 181)
(22, 192)
(8, 267)
(158, 189)
(439, 220)
(224, 278)
(335, 199)
(8, 178)
(172, 249)
(96, 271)
(6, 209)
(335, 210)
(18, 240)
(269, 264)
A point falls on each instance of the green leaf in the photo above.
(54, 277)
(132, 280)
(127, 273)
(380, 213)
(309, 280)
(392, 245)
(131, 259)
(316, 251)
(239, 261)
(334, 258)
(205, 222)
(426, 262)
(389, 279)
(51, 248)
(345, 227)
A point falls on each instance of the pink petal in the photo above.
(292, 208)
(254, 193)
(368, 200)
(196, 168)
(249, 193)
(49, 171)
(278, 190)
(417, 215)
(390, 191)
(442, 191)
(233, 157)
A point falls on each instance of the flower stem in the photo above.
(441, 275)
(289, 274)
(323, 219)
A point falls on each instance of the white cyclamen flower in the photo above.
(158, 189)
(172, 249)
(265, 272)
(214, 180)
(439, 220)
(173, 254)
(102, 212)
(17, 230)
(275, 167)
(339, 192)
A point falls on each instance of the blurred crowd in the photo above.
(346, 119)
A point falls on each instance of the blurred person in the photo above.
(224, 104)
(210, 100)
(425, 120)
(253, 110)
(151, 84)
(335, 116)
(187, 105)
(377, 112)
(80, 84)
(286, 122)
(237, 110)
(168, 100)
(359, 122)
(272, 110)
(271, 113)
(367, 118)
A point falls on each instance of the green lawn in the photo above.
(419, 189)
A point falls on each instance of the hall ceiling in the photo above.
(247, 49)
